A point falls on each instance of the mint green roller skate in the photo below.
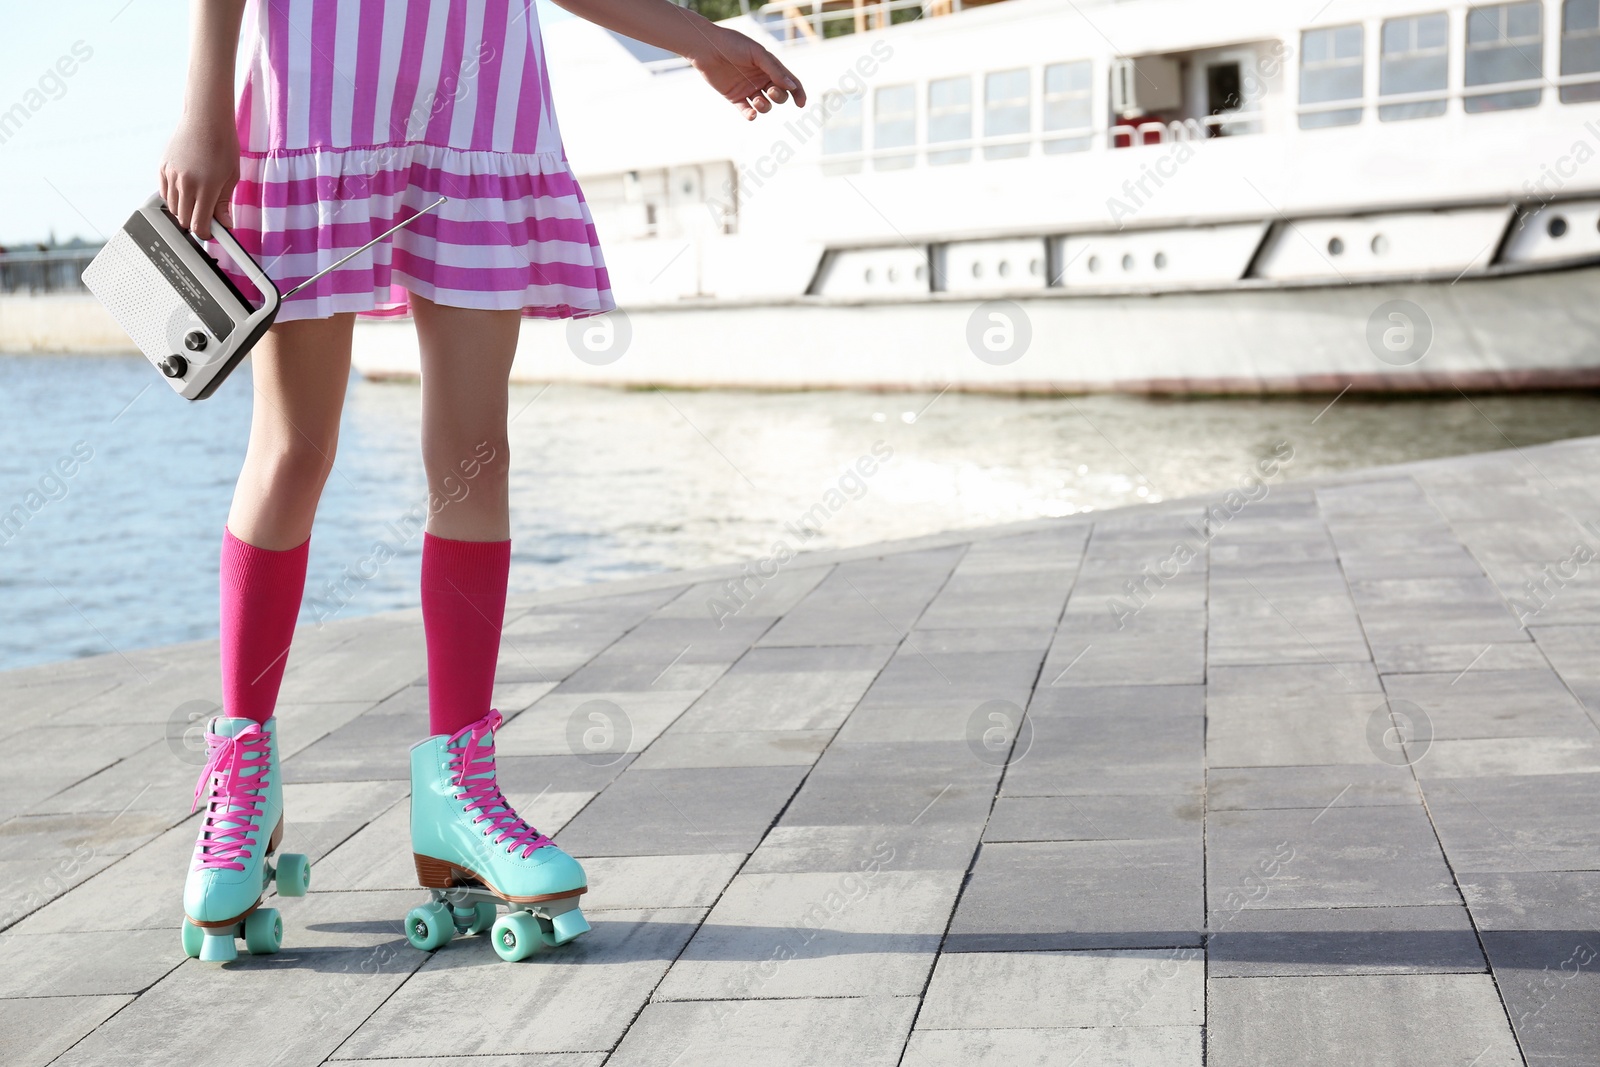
(230, 872)
(475, 852)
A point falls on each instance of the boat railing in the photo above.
(813, 20)
(1120, 135)
(53, 270)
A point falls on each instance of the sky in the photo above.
(86, 154)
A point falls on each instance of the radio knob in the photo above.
(174, 366)
(195, 341)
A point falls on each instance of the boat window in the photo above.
(1580, 49)
(841, 134)
(1330, 71)
(1068, 106)
(1415, 57)
(949, 118)
(1505, 43)
(894, 125)
(1005, 111)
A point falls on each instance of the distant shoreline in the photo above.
(67, 324)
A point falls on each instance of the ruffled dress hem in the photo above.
(514, 233)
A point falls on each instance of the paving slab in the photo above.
(1094, 818)
(1574, 652)
(1353, 785)
(1313, 713)
(1132, 988)
(1334, 858)
(1547, 822)
(1401, 1020)
(682, 810)
(779, 700)
(597, 726)
(1081, 894)
(1273, 942)
(1111, 1046)
(857, 933)
(899, 783)
(923, 846)
(1480, 703)
(1147, 739)
(864, 1031)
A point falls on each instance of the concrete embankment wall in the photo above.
(59, 322)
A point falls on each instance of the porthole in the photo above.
(893, 273)
(977, 269)
(1004, 269)
(1335, 246)
(918, 273)
(1556, 226)
(1160, 261)
(1033, 265)
(1094, 264)
(866, 275)
(1380, 244)
(1127, 262)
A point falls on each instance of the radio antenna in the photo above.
(363, 248)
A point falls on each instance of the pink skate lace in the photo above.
(474, 770)
(234, 770)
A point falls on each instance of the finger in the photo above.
(224, 211)
(761, 103)
(776, 93)
(182, 205)
(779, 73)
(163, 185)
(205, 202)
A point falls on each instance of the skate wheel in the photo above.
(263, 932)
(482, 918)
(294, 875)
(430, 926)
(219, 948)
(564, 927)
(193, 938)
(517, 936)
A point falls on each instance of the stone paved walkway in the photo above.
(1312, 794)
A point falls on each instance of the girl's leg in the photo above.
(300, 370)
(466, 553)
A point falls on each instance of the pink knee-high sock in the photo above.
(261, 592)
(463, 607)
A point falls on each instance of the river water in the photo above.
(122, 553)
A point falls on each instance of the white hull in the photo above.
(1516, 331)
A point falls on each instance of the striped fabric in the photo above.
(357, 114)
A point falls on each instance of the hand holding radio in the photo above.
(200, 169)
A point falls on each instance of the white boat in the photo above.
(1083, 195)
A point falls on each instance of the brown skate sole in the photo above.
(441, 874)
(272, 846)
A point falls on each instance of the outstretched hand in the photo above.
(747, 75)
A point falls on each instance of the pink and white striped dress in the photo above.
(357, 114)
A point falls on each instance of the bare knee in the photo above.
(294, 468)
